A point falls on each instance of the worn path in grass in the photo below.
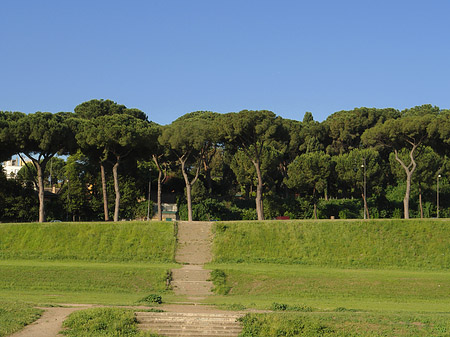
(50, 323)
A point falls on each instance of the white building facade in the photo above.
(11, 167)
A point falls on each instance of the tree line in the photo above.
(364, 162)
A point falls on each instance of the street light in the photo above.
(437, 196)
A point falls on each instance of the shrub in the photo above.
(151, 299)
(269, 325)
(286, 307)
(219, 279)
(278, 306)
(340, 208)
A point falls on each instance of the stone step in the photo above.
(202, 331)
(188, 274)
(195, 333)
(184, 316)
(190, 324)
(191, 328)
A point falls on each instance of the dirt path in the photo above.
(50, 323)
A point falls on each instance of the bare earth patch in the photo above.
(50, 323)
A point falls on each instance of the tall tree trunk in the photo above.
(40, 178)
(259, 187)
(159, 196)
(420, 203)
(366, 207)
(160, 177)
(188, 184)
(315, 204)
(409, 170)
(407, 194)
(189, 201)
(116, 189)
(40, 168)
(104, 191)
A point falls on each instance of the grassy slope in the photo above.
(391, 271)
(123, 241)
(370, 265)
(108, 263)
(417, 244)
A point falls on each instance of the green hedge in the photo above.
(342, 243)
(123, 241)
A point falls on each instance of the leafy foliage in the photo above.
(151, 299)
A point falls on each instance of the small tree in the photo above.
(88, 111)
(429, 164)
(161, 157)
(40, 136)
(117, 136)
(408, 132)
(188, 138)
(251, 132)
(310, 172)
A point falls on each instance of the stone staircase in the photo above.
(193, 250)
(191, 280)
(190, 324)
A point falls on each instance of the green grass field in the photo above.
(82, 282)
(106, 263)
(324, 288)
(99, 263)
(338, 278)
(324, 278)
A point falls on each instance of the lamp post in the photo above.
(437, 196)
(365, 190)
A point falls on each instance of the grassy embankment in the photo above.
(105, 263)
(386, 277)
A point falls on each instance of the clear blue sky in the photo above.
(170, 57)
